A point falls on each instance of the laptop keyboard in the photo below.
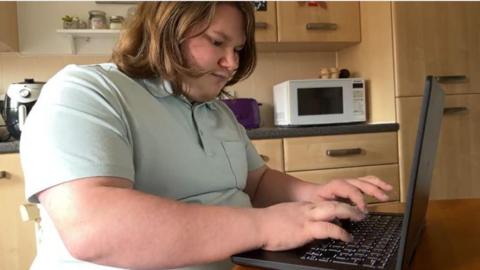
(375, 242)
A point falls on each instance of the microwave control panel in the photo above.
(358, 92)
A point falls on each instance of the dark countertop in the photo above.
(277, 132)
(9, 147)
(285, 132)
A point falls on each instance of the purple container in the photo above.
(246, 111)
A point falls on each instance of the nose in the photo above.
(229, 61)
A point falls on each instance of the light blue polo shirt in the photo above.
(96, 121)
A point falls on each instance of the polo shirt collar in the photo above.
(160, 89)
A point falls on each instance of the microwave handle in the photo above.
(344, 152)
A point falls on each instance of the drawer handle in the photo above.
(265, 158)
(261, 25)
(451, 79)
(321, 26)
(3, 174)
(344, 152)
(453, 110)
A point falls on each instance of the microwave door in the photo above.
(319, 105)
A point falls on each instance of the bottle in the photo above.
(97, 19)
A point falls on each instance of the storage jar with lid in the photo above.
(97, 19)
(116, 22)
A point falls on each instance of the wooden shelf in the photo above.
(87, 34)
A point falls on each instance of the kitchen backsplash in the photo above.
(272, 68)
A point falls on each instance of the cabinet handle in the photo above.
(451, 79)
(261, 25)
(452, 110)
(321, 26)
(3, 174)
(265, 158)
(344, 152)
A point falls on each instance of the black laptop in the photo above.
(381, 240)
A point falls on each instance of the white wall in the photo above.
(38, 22)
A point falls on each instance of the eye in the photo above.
(238, 49)
(217, 43)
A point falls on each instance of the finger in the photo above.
(369, 189)
(322, 230)
(346, 190)
(327, 211)
(377, 181)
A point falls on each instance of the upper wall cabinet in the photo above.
(266, 22)
(8, 27)
(437, 38)
(296, 25)
(323, 22)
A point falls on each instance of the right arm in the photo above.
(104, 221)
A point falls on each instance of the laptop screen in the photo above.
(421, 171)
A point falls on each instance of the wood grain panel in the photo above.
(17, 238)
(271, 151)
(292, 18)
(436, 38)
(388, 173)
(310, 153)
(8, 27)
(457, 164)
(269, 19)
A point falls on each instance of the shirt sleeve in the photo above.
(78, 128)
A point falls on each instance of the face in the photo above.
(214, 52)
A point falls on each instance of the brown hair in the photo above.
(150, 44)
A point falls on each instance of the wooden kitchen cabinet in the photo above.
(271, 150)
(307, 158)
(327, 22)
(340, 151)
(426, 38)
(17, 238)
(8, 27)
(388, 173)
(436, 38)
(457, 164)
(266, 23)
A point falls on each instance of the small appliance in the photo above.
(246, 111)
(319, 102)
(19, 100)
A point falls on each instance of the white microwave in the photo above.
(319, 102)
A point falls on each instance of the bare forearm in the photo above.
(133, 230)
(276, 187)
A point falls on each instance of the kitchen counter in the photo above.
(9, 147)
(279, 132)
(284, 132)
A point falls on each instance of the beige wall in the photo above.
(372, 60)
(272, 68)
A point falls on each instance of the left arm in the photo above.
(266, 186)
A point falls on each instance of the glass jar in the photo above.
(116, 22)
(97, 19)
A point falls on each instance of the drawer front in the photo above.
(339, 151)
(388, 173)
(271, 150)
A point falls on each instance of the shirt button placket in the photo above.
(201, 134)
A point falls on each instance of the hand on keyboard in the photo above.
(290, 225)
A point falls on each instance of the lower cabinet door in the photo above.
(17, 238)
(457, 164)
(388, 173)
(271, 150)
